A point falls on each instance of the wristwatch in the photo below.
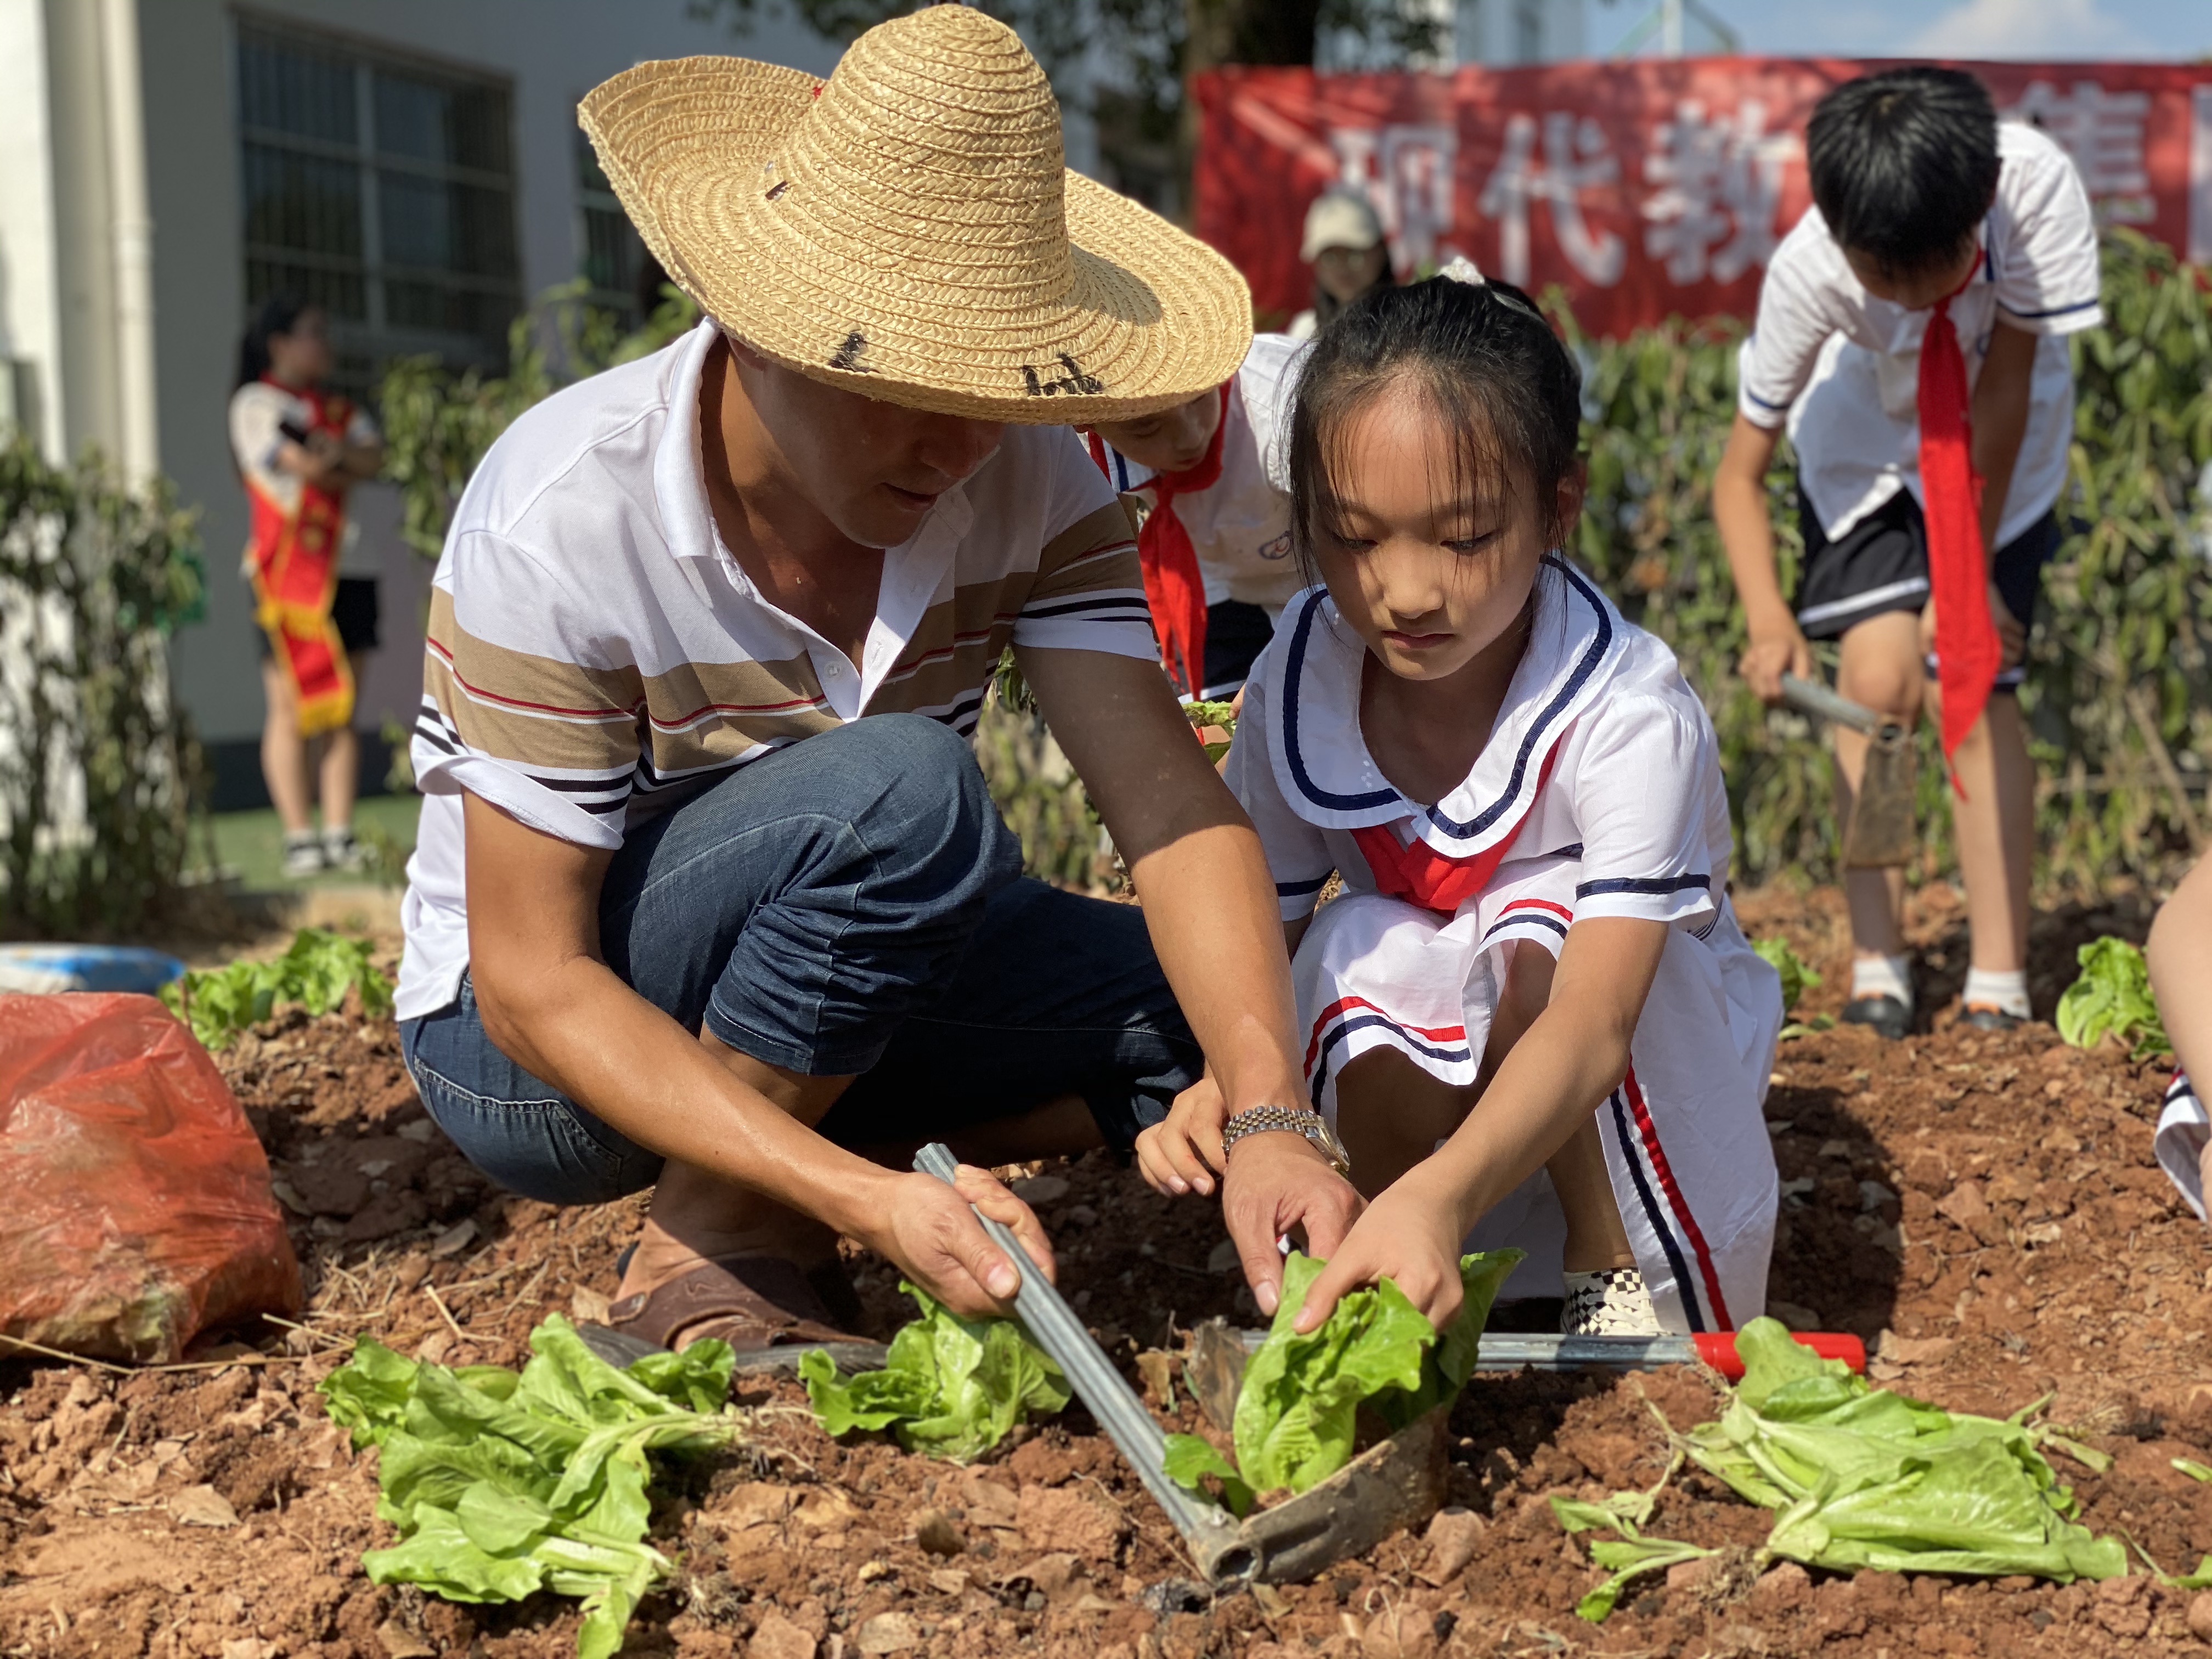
(1298, 1120)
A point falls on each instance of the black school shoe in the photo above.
(1883, 1013)
(1985, 1018)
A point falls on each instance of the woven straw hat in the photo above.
(907, 229)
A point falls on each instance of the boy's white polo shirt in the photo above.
(1842, 368)
(596, 656)
(1241, 527)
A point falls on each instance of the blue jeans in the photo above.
(850, 904)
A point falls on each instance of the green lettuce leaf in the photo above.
(1297, 1408)
(1190, 1460)
(315, 971)
(2112, 995)
(503, 1485)
(952, 1388)
(1797, 977)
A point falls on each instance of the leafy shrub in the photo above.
(97, 765)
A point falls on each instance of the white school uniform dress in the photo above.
(1598, 794)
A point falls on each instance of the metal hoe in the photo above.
(1881, 831)
(1392, 1486)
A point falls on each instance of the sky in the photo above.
(2110, 30)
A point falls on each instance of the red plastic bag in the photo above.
(135, 1208)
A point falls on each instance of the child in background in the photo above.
(1910, 332)
(1345, 244)
(2180, 953)
(1215, 541)
(1532, 1019)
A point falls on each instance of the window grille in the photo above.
(382, 190)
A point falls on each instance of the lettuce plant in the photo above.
(952, 1387)
(2112, 994)
(501, 1485)
(1298, 1406)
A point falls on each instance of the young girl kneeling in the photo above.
(1530, 1015)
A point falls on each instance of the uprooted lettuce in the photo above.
(1862, 1477)
(1301, 1395)
(2112, 994)
(952, 1388)
(503, 1485)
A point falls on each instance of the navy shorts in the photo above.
(1880, 564)
(850, 904)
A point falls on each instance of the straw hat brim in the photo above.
(1152, 318)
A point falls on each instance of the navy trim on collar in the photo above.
(1541, 726)
(1292, 671)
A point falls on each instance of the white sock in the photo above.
(1882, 977)
(2007, 991)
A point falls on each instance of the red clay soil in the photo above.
(1983, 1207)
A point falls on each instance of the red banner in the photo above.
(1648, 187)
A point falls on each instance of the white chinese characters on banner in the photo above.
(1720, 183)
(1407, 173)
(2103, 131)
(1576, 158)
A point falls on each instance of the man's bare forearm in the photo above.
(578, 1026)
(1210, 905)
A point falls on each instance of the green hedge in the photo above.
(97, 768)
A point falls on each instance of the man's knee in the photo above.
(910, 772)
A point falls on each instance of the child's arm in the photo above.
(2180, 952)
(1777, 646)
(1573, 1055)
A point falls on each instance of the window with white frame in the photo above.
(619, 275)
(381, 189)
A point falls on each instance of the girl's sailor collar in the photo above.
(1321, 760)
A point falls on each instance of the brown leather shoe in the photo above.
(770, 1310)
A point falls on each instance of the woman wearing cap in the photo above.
(708, 893)
(1345, 246)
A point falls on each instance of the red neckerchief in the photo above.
(1436, 881)
(1174, 591)
(1967, 651)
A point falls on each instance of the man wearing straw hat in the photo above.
(709, 893)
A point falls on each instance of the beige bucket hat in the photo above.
(907, 229)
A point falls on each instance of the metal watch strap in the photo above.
(1294, 1119)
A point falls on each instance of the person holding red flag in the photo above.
(299, 450)
(1911, 338)
(1215, 544)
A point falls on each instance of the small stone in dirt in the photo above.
(1781, 1588)
(2200, 1616)
(400, 1643)
(1224, 1260)
(1041, 1189)
(1064, 1519)
(777, 1638)
(454, 1239)
(1049, 1576)
(949, 1581)
(1688, 1575)
(202, 1506)
(872, 1570)
(934, 1531)
(1174, 1595)
(1453, 1537)
(412, 1269)
(1081, 1215)
(422, 1131)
